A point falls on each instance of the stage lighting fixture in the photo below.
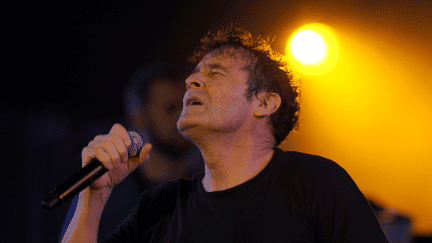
(313, 49)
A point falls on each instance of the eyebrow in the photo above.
(217, 66)
(211, 66)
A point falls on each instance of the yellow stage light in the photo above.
(308, 47)
(313, 49)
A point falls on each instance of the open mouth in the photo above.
(193, 102)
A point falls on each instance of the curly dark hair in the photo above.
(268, 72)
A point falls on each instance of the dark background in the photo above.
(67, 63)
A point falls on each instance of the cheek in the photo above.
(230, 110)
(240, 108)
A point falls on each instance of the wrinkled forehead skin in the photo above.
(231, 55)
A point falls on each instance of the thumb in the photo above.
(144, 155)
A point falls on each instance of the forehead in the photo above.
(229, 58)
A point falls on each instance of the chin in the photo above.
(183, 125)
(185, 128)
(190, 131)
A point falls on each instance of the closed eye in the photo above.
(216, 69)
(216, 73)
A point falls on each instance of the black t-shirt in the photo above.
(297, 197)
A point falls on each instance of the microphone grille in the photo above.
(136, 145)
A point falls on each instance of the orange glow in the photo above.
(313, 49)
(372, 114)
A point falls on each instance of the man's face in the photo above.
(215, 99)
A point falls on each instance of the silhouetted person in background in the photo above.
(395, 225)
(153, 104)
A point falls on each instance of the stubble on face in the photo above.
(226, 94)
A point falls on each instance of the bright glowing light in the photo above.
(308, 47)
(372, 115)
(313, 49)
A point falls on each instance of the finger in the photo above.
(110, 149)
(120, 147)
(98, 139)
(104, 158)
(89, 153)
(122, 132)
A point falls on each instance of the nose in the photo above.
(193, 81)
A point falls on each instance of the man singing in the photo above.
(241, 102)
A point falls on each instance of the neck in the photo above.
(232, 160)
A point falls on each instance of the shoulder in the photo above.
(304, 163)
(309, 173)
(332, 199)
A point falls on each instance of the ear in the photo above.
(266, 103)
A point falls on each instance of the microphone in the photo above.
(85, 176)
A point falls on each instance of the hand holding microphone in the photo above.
(112, 151)
(107, 160)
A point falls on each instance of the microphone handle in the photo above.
(74, 184)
